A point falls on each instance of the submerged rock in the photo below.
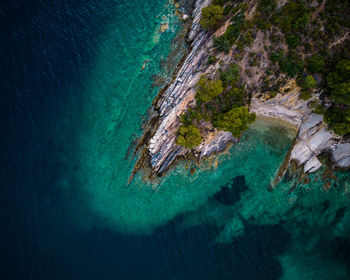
(163, 27)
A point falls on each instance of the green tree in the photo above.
(211, 17)
(316, 64)
(222, 43)
(338, 119)
(236, 95)
(235, 121)
(291, 65)
(309, 82)
(305, 95)
(189, 136)
(230, 75)
(339, 82)
(292, 40)
(208, 89)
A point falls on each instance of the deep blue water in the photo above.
(72, 101)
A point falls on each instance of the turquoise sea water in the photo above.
(78, 76)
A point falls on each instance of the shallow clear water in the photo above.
(77, 77)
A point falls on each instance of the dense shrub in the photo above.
(305, 95)
(222, 43)
(292, 40)
(235, 97)
(225, 41)
(235, 121)
(207, 89)
(189, 136)
(191, 115)
(276, 56)
(220, 2)
(294, 16)
(309, 82)
(230, 76)
(291, 65)
(339, 83)
(316, 64)
(338, 119)
(264, 12)
(211, 17)
(212, 59)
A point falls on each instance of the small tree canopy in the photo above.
(316, 64)
(235, 121)
(230, 76)
(211, 17)
(189, 136)
(208, 89)
(309, 82)
(339, 82)
(292, 40)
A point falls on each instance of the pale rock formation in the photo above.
(178, 96)
(313, 139)
(341, 155)
(312, 165)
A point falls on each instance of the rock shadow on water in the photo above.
(230, 193)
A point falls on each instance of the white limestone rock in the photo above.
(312, 165)
(341, 155)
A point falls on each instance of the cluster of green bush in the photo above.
(226, 40)
(264, 12)
(338, 83)
(293, 17)
(316, 64)
(211, 17)
(207, 89)
(188, 136)
(336, 12)
(235, 121)
(222, 102)
(291, 64)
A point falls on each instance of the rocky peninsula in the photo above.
(271, 94)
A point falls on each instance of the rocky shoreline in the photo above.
(313, 137)
(178, 96)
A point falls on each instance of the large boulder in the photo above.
(341, 155)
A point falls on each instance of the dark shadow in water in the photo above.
(49, 249)
(341, 250)
(230, 193)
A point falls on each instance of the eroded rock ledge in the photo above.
(178, 96)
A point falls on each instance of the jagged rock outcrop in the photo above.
(285, 106)
(179, 95)
(341, 155)
(314, 138)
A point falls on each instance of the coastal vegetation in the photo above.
(338, 83)
(300, 40)
(207, 89)
(211, 17)
(235, 121)
(221, 102)
(189, 136)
